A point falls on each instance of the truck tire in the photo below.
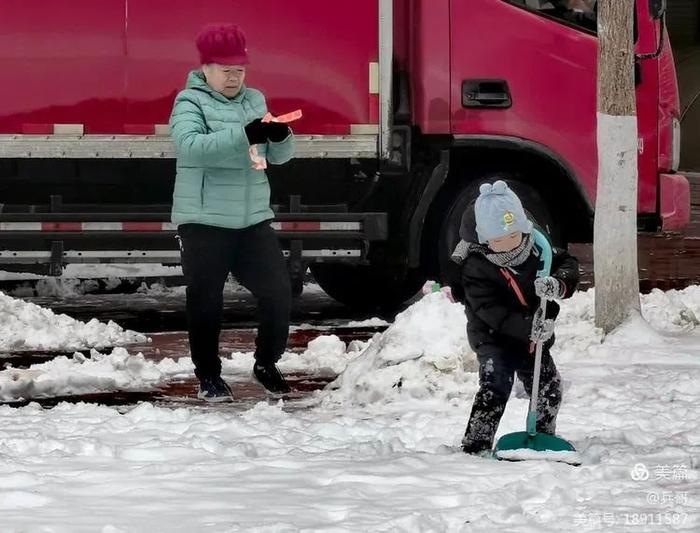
(366, 287)
(534, 206)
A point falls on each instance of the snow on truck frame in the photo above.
(408, 106)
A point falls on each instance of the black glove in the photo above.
(277, 131)
(256, 132)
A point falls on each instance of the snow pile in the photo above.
(156, 290)
(121, 371)
(425, 353)
(26, 326)
(102, 271)
(325, 356)
(668, 318)
(672, 311)
(369, 323)
(159, 289)
(118, 371)
(60, 287)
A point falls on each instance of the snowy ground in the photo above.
(87, 271)
(378, 450)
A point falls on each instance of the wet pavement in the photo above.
(183, 394)
(173, 345)
(164, 310)
(666, 260)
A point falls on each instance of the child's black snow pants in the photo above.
(496, 370)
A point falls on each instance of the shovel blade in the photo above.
(522, 446)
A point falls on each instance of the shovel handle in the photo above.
(532, 413)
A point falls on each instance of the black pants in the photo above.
(254, 257)
(496, 371)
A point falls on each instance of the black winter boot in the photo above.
(271, 378)
(215, 390)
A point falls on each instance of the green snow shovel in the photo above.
(529, 444)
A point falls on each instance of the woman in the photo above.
(221, 204)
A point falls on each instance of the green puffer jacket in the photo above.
(216, 184)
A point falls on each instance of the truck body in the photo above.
(407, 106)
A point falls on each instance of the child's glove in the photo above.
(542, 328)
(549, 288)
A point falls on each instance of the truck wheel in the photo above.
(366, 288)
(534, 206)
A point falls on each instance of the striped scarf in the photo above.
(515, 257)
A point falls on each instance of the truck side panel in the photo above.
(62, 63)
(115, 65)
(430, 65)
(648, 110)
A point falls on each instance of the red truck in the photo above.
(407, 106)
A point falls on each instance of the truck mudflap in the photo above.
(674, 201)
(46, 242)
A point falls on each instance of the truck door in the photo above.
(526, 69)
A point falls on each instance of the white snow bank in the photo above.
(60, 287)
(121, 371)
(101, 271)
(77, 280)
(62, 376)
(26, 326)
(369, 323)
(158, 289)
(424, 353)
(669, 317)
(326, 355)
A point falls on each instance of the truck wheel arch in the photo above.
(474, 157)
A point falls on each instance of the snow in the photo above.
(423, 354)
(96, 271)
(526, 454)
(368, 455)
(63, 376)
(79, 279)
(26, 326)
(120, 370)
(369, 323)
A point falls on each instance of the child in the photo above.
(500, 261)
